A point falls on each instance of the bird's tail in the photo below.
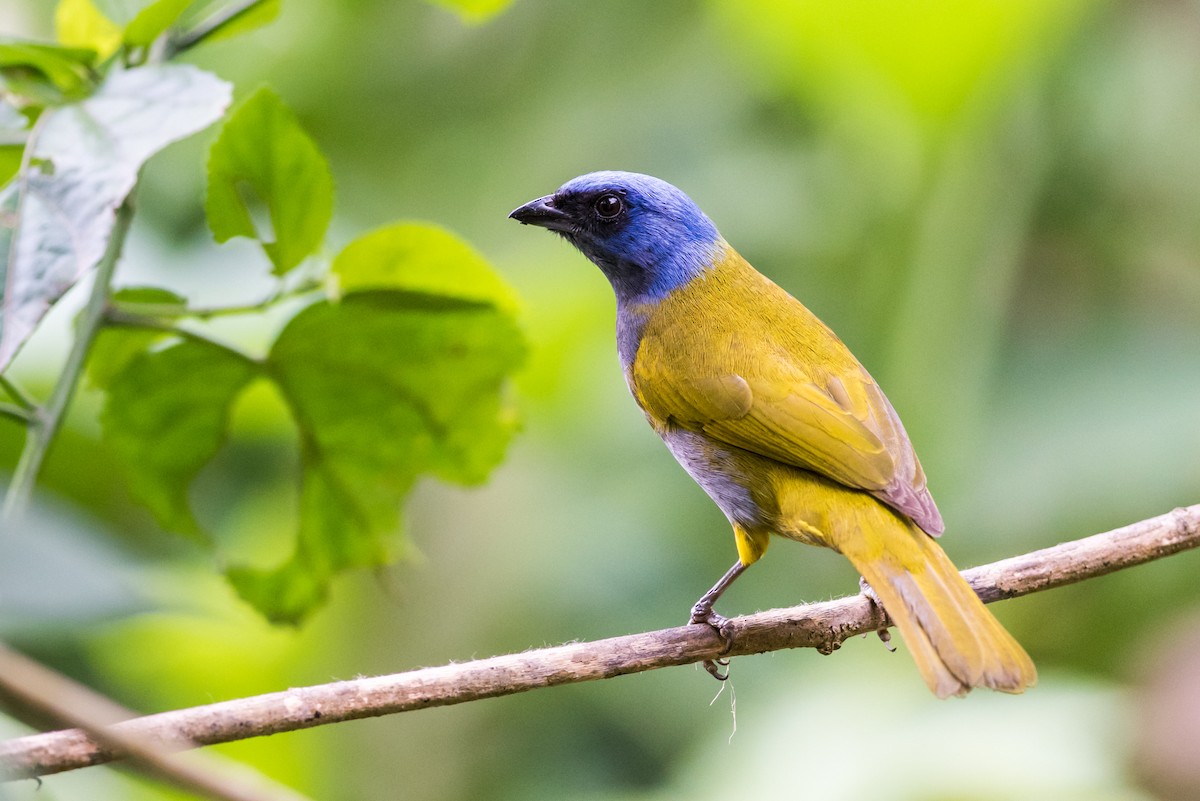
(956, 642)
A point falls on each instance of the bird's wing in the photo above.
(842, 427)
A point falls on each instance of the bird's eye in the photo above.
(608, 206)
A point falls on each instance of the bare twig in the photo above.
(822, 625)
(50, 695)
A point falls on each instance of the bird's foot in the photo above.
(713, 666)
(884, 634)
(704, 614)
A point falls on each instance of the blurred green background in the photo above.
(995, 203)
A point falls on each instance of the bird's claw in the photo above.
(721, 625)
(885, 636)
(713, 666)
(869, 591)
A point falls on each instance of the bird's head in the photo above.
(647, 236)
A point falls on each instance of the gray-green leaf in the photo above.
(86, 157)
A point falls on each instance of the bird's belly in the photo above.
(720, 471)
(763, 496)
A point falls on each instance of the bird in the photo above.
(776, 420)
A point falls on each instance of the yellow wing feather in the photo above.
(778, 383)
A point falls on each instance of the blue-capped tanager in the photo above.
(775, 419)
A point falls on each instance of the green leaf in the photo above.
(421, 258)
(149, 296)
(14, 130)
(103, 26)
(166, 416)
(331, 538)
(385, 386)
(407, 375)
(10, 162)
(113, 350)
(263, 152)
(116, 346)
(25, 65)
(153, 20)
(85, 162)
(79, 23)
(474, 10)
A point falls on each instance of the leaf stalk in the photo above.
(135, 313)
(22, 398)
(44, 427)
(205, 29)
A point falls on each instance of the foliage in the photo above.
(83, 160)
(400, 371)
(262, 149)
(993, 203)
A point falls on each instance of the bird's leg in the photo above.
(702, 612)
(885, 635)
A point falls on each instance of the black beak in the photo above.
(542, 213)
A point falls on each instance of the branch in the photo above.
(44, 693)
(821, 625)
(44, 426)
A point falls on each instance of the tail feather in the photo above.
(956, 642)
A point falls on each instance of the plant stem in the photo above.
(44, 427)
(16, 413)
(118, 317)
(51, 695)
(22, 398)
(210, 26)
(126, 311)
